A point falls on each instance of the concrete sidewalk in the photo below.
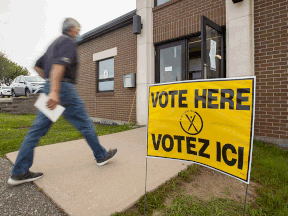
(76, 184)
(6, 99)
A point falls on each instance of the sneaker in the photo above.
(110, 155)
(28, 177)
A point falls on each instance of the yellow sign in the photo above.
(208, 122)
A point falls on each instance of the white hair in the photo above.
(68, 24)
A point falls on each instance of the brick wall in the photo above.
(116, 105)
(20, 105)
(271, 70)
(178, 18)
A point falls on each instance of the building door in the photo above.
(212, 49)
(198, 56)
(170, 62)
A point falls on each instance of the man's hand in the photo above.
(54, 100)
(56, 76)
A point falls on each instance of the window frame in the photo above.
(183, 43)
(107, 79)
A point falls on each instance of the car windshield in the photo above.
(34, 79)
(6, 87)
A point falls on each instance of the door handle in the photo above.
(205, 70)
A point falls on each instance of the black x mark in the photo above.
(191, 122)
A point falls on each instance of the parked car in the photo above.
(5, 91)
(24, 85)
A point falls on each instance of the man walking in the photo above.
(59, 66)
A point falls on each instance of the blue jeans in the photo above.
(75, 113)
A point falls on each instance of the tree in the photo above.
(3, 64)
(9, 70)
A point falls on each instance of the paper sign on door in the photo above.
(168, 68)
(212, 55)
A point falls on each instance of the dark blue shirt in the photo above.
(62, 51)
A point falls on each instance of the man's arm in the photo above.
(61, 60)
(39, 71)
(56, 76)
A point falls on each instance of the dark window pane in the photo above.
(194, 58)
(194, 75)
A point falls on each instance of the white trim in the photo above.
(145, 59)
(105, 54)
(240, 38)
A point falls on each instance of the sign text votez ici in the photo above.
(209, 122)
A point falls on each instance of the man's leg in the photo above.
(77, 115)
(25, 156)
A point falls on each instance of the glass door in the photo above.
(212, 49)
(170, 62)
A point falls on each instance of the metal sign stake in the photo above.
(245, 199)
(145, 187)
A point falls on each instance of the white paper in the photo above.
(105, 74)
(168, 68)
(212, 55)
(41, 104)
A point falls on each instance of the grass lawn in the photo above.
(269, 169)
(13, 129)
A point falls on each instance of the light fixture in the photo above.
(137, 26)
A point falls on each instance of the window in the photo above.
(106, 75)
(34, 79)
(170, 62)
(21, 79)
(160, 2)
(16, 80)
